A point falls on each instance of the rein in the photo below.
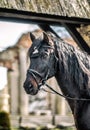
(66, 97)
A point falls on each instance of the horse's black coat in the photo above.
(72, 72)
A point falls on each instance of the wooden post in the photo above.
(23, 97)
(13, 77)
(63, 107)
(53, 102)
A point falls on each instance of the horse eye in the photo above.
(44, 55)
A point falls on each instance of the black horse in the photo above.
(50, 56)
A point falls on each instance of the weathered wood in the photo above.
(71, 8)
(77, 37)
(85, 33)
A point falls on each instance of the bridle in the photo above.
(43, 81)
(35, 73)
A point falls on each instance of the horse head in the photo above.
(43, 62)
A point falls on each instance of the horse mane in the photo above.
(74, 63)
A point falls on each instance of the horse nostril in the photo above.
(30, 85)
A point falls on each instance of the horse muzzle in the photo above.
(30, 89)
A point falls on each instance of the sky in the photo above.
(10, 32)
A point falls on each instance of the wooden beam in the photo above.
(38, 18)
(77, 37)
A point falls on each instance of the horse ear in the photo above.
(47, 39)
(32, 37)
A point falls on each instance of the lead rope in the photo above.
(66, 97)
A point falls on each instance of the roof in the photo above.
(69, 8)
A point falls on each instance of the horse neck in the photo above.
(66, 70)
(73, 73)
